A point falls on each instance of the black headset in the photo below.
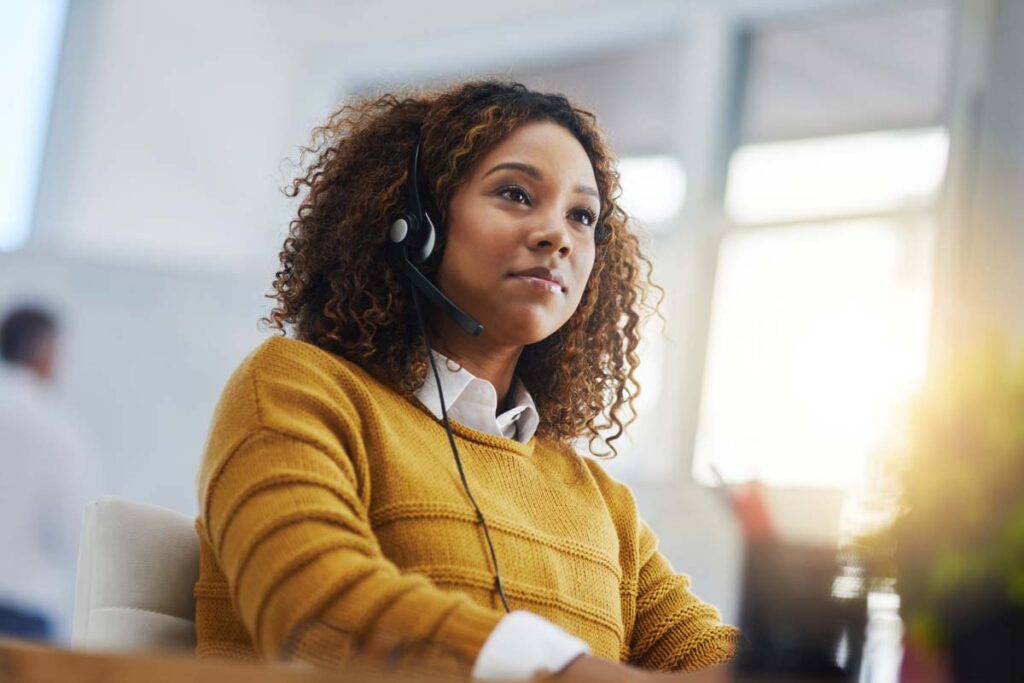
(412, 240)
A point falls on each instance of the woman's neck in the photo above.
(496, 364)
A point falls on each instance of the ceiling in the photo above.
(812, 68)
(872, 68)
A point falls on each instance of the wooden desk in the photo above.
(22, 662)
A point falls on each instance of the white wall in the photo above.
(144, 356)
(980, 274)
(993, 226)
(170, 122)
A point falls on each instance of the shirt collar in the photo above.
(473, 402)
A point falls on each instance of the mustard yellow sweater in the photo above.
(332, 521)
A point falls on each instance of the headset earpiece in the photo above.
(406, 233)
(429, 240)
(414, 230)
(413, 238)
(399, 229)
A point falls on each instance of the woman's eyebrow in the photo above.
(535, 173)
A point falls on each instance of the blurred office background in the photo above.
(830, 190)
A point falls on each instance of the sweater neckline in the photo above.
(468, 433)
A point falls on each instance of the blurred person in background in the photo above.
(45, 483)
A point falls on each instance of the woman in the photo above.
(363, 496)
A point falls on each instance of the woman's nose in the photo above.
(551, 235)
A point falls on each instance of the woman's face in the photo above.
(521, 235)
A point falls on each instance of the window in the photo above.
(836, 176)
(653, 189)
(819, 322)
(819, 325)
(818, 334)
(30, 38)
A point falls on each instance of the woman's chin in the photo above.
(521, 330)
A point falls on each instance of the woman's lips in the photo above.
(540, 283)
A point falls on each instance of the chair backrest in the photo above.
(137, 567)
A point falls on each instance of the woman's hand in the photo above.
(588, 668)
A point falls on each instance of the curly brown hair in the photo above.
(338, 289)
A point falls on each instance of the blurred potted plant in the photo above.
(955, 545)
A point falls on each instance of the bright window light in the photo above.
(30, 37)
(818, 338)
(836, 176)
(653, 189)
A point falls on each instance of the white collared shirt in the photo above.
(474, 402)
(523, 644)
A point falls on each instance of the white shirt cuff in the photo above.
(524, 644)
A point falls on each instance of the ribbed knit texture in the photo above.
(332, 521)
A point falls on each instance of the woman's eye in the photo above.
(516, 194)
(519, 196)
(585, 216)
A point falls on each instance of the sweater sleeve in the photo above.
(285, 510)
(674, 629)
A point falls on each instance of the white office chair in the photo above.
(137, 566)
